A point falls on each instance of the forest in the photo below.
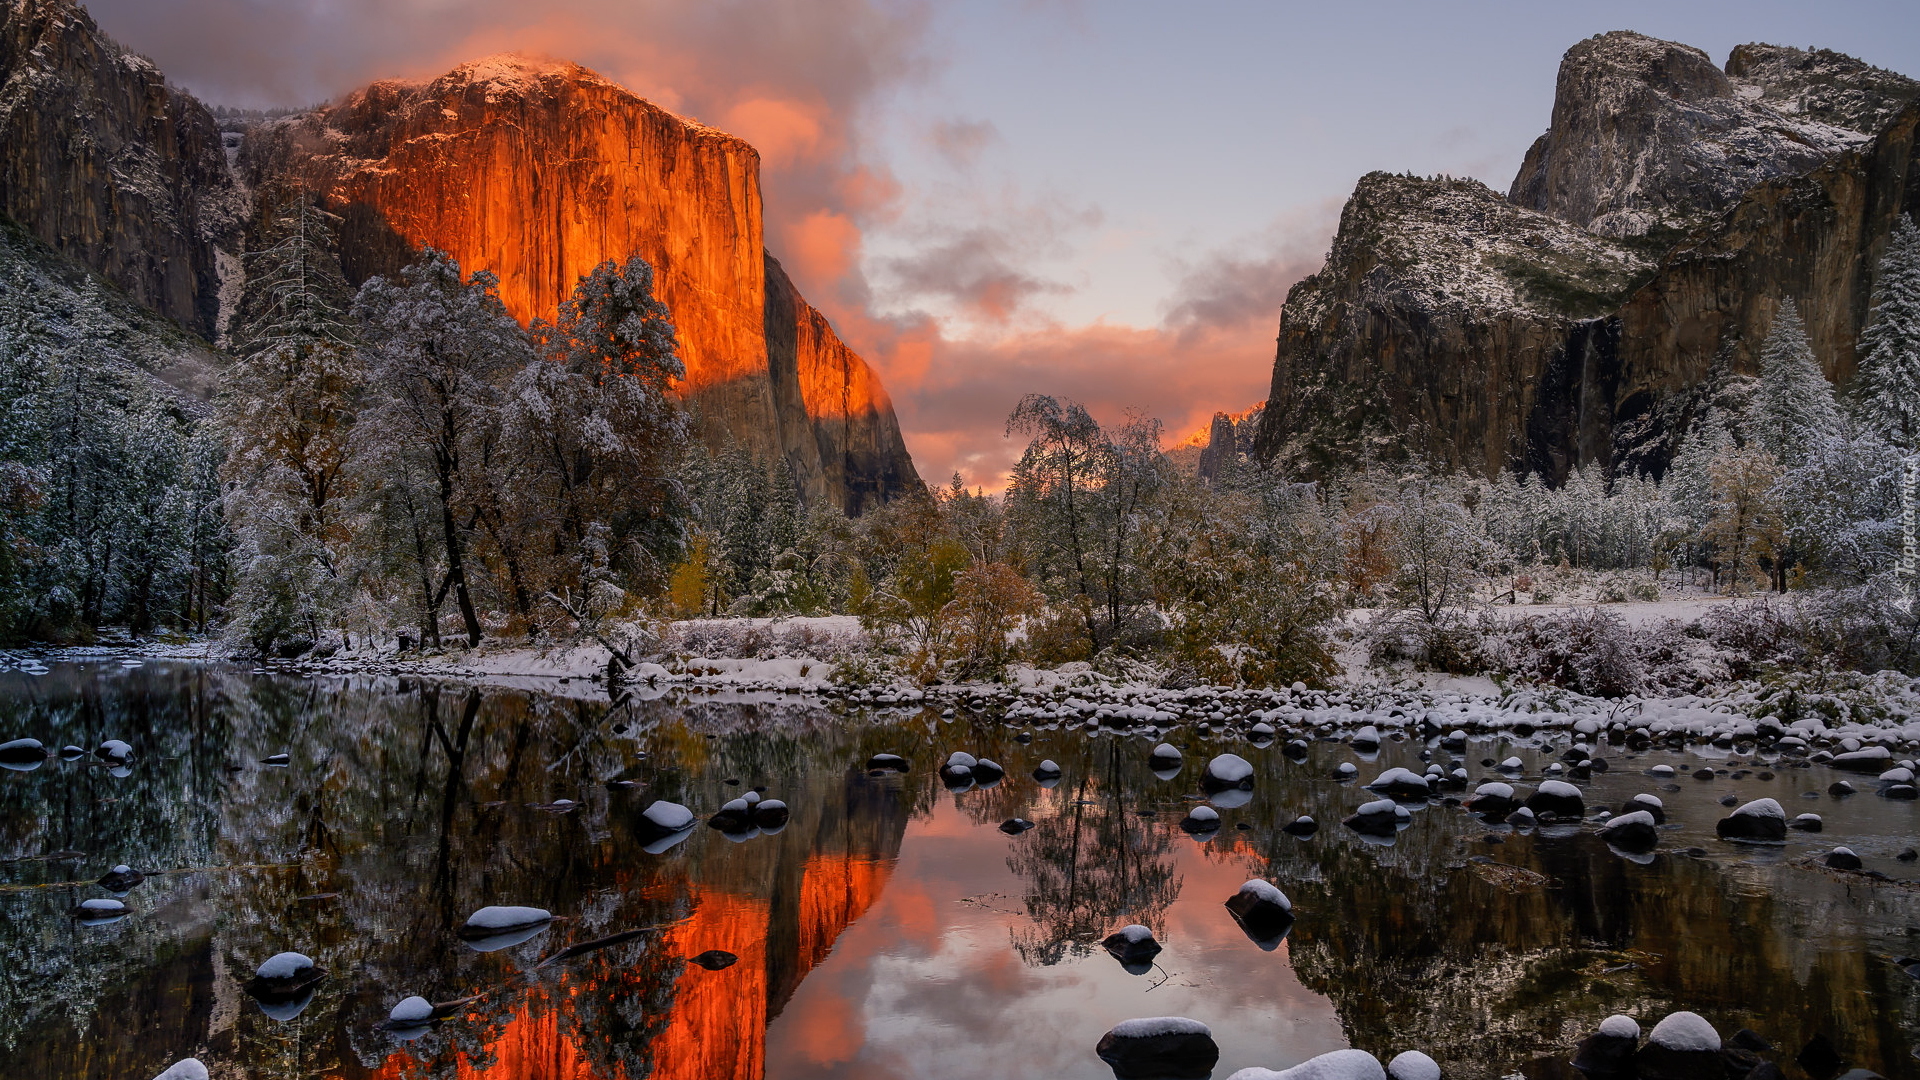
(404, 465)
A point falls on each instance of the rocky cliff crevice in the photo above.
(104, 162)
(540, 170)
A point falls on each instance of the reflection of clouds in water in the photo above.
(934, 987)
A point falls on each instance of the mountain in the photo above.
(538, 171)
(1658, 224)
(535, 170)
(106, 163)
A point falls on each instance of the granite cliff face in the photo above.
(104, 162)
(538, 171)
(1659, 222)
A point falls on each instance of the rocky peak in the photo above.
(1821, 85)
(1648, 137)
(106, 163)
(538, 170)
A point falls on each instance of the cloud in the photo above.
(1246, 282)
(961, 141)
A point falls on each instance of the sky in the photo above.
(1104, 200)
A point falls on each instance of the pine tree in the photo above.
(287, 404)
(1793, 403)
(1887, 389)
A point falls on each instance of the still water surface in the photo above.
(891, 929)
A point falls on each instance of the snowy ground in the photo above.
(793, 664)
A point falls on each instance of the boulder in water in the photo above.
(1652, 805)
(115, 752)
(1382, 817)
(284, 985)
(1263, 912)
(770, 815)
(1609, 1051)
(1160, 1048)
(1401, 784)
(1228, 772)
(120, 879)
(1807, 823)
(1133, 946)
(1366, 740)
(1631, 832)
(99, 912)
(500, 927)
(1015, 826)
(1047, 770)
(1760, 821)
(23, 755)
(1681, 1047)
(1302, 826)
(1493, 800)
(1843, 858)
(886, 763)
(1339, 1065)
(1872, 759)
(1200, 819)
(1413, 1065)
(1557, 797)
(714, 960)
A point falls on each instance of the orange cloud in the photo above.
(785, 132)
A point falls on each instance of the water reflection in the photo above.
(889, 928)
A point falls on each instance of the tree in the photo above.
(1793, 404)
(1745, 527)
(287, 403)
(595, 426)
(438, 349)
(1887, 389)
(1437, 553)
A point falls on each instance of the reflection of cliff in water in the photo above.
(406, 808)
(1487, 970)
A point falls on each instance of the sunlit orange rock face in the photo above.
(539, 171)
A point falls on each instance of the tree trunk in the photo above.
(456, 564)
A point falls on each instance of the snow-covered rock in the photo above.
(184, 1069)
(1228, 771)
(1631, 832)
(1398, 783)
(494, 928)
(120, 879)
(1871, 759)
(665, 818)
(1413, 1065)
(886, 763)
(1494, 800)
(98, 912)
(1609, 1051)
(1263, 912)
(1843, 858)
(1382, 817)
(1648, 803)
(1159, 1046)
(1338, 1065)
(1200, 819)
(1557, 797)
(23, 755)
(1134, 946)
(1761, 820)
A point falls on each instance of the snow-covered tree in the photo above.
(287, 404)
(438, 348)
(1887, 390)
(595, 426)
(1793, 404)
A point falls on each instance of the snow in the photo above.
(1048, 766)
(123, 868)
(1504, 791)
(1231, 768)
(1514, 764)
(1764, 808)
(102, 907)
(1844, 851)
(1152, 1026)
(1685, 1031)
(284, 965)
(415, 1009)
(1165, 751)
(770, 804)
(507, 918)
(1559, 789)
(960, 758)
(184, 1069)
(1413, 1065)
(1378, 806)
(21, 744)
(1339, 1065)
(1897, 776)
(1133, 934)
(1661, 771)
(1654, 799)
(1638, 817)
(116, 748)
(1268, 891)
(1618, 1026)
(1399, 776)
(735, 806)
(1855, 758)
(669, 816)
(1203, 813)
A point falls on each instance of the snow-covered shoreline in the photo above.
(1877, 708)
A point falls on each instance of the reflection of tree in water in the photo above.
(1090, 864)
